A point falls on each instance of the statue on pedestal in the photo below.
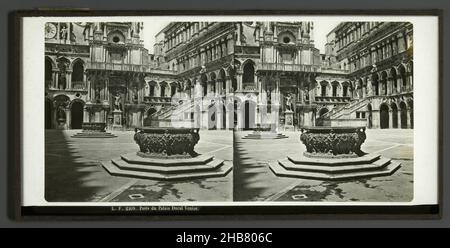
(288, 103)
(117, 103)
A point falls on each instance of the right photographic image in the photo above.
(324, 112)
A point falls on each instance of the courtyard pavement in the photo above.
(254, 181)
(73, 171)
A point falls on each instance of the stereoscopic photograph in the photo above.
(231, 111)
(223, 111)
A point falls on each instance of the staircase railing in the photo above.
(175, 110)
(346, 109)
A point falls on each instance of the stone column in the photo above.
(219, 116)
(68, 121)
(312, 96)
(69, 80)
(369, 87)
(391, 119)
(240, 116)
(408, 117)
(227, 84)
(389, 86)
(69, 32)
(238, 41)
(58, 32)
(329, 90)
(239, 80)
(55, 117)
(277, 90)
(375, 119)
(54, 79)
(401, 43)
(85, 114)
(230, 44)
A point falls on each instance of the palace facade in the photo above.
(226, 75)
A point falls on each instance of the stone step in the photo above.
(279, 170)
(265, 136)
(133, 158)
(212, 165)
(366, 159)
(219, 172)
(93, 135)
(378, 164)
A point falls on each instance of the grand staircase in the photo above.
(173, 112)
(346, 110)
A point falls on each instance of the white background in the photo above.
(425, 105)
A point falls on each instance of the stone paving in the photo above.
(73, 171)
(254, 181)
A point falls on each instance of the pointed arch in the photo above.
(383, 83)
(78, 73)
(394, 110)
(203, 83)
(63, 66)
(49, 66)
(248, 69)
(173, 88)
(375, 84)
(346, 88)
(403, 115)
(411, 112)
(324, 87)
(384, 116)
(335, 88)
(402, 76)
(393, 77)
(151, 89)
(163, 86)
(369, 115)
(76, 113)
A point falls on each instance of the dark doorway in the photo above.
(48, 114)
(224, 117)
(77, 72)
(375, 85)
(76, 115)
(249, 112)
(403, 115)
(323, 111)
(394, 115)
(323, 90)
(384, 116)
(320, 121)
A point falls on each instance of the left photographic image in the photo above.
(131, 115)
